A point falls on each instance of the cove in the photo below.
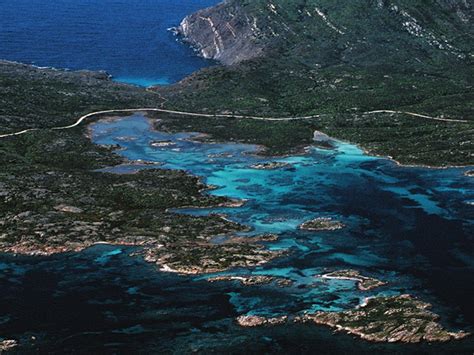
(128, 39)
(411, 227)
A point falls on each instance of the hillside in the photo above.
(342, 60)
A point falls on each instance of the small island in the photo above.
(253, 280)
(270, 165)
(364, 283)
(388, 319)
(402, 319)
(322, 224)
(469, 173)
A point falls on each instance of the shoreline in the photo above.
(194, 114)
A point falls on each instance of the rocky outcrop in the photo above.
(388, 319)
(6, 345)
(402, 319)
(257, 321)
(270, 165)
(322, 224)
(226, 33)
(235, 31)
(253, 280)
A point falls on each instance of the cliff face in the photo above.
(238, 30)
(225, 32)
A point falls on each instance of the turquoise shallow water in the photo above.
(409, 226)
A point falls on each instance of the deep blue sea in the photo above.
(127, 38)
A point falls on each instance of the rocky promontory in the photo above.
(225, 32)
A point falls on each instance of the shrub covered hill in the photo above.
(328, 55)
(342, 59)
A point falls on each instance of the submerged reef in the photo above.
(252, 280)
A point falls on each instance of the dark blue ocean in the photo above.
(127, 38)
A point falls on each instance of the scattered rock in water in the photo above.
(126, 139)
(469, 173)
(322, 224)
(253, 280)
(256, 321)
(270, 165)
(160, 144)
(364, 283)
(6, 345)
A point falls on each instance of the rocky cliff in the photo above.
(225, 32)
(347, 31)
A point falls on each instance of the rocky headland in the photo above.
(225, 32)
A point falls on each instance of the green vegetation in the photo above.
(52, 199)
(407, 139)
(35, 98)
(388, 319)
(342, 59)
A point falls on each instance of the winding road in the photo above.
(205, 115)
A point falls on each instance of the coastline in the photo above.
(183, 113)
(150, 251)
